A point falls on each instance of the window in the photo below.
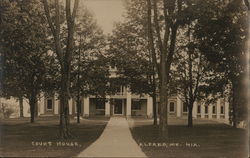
(171, 107)
(214, 109)
(100, 104)
(199, 109)
(184, 108)
(136, 104)
(222, 109)
(49, 104)
(206, 109)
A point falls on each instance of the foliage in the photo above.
(129, 49)
(24, 43)
(6, 110)
(222, 32)
(89, 65)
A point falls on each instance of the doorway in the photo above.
(118, 107)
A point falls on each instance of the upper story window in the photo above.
(171, 107)
(222, 109)
(49, 104)
(206, 109)
(199, 109)
(214, 109)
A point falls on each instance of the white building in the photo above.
(125, 104)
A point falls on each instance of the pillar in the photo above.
(70, 106)
(42, 104)
(195, 110)
(202, 110)
(56, 102)
(107, 107)
(86, 107)
(226, 109)
(218, 109)
(178, 107)
(128, 104)
(210, 111)
(149, 107)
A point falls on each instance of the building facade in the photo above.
(130, 105)
(124, 103)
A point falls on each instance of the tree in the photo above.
(64, 57)
(167, 21)
(89, 61)
(25, 44)
(190, 71)
(129, 52)
(222, 32)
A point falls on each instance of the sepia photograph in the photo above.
(125, 78)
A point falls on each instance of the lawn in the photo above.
(206, 139)
(20, 138)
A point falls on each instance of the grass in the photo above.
(22, 139)
(209, 139)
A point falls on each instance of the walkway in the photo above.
(115, 141)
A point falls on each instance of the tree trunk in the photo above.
(190, 115)
(64, 115)
(234, 104)
(64, 58)
(163, 103)
(153, 60)
(36, 109)
(78, 109)
(32, 103)
(163, 116)
(154, 109)
(21, 106)
(64, 118)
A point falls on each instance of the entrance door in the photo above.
(118, 107)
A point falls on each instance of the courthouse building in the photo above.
(130, 105)
(126, 104)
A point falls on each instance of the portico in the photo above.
(130, 105)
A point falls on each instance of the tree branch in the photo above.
(55, 30)
(157, 27)
(47, 13)
(151, 38)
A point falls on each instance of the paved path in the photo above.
(115, 141)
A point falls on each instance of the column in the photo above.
(226, 107)
(195, 110)
(202, 110)
(70, 106)
(218, 109)
(210, 111)
(128, 105)
(149, 106)
(56, 108)
(86, 107)
(178, 106)
(107, 107)
(38, 107)
(42, 104)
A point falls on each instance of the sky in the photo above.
(106, 12)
